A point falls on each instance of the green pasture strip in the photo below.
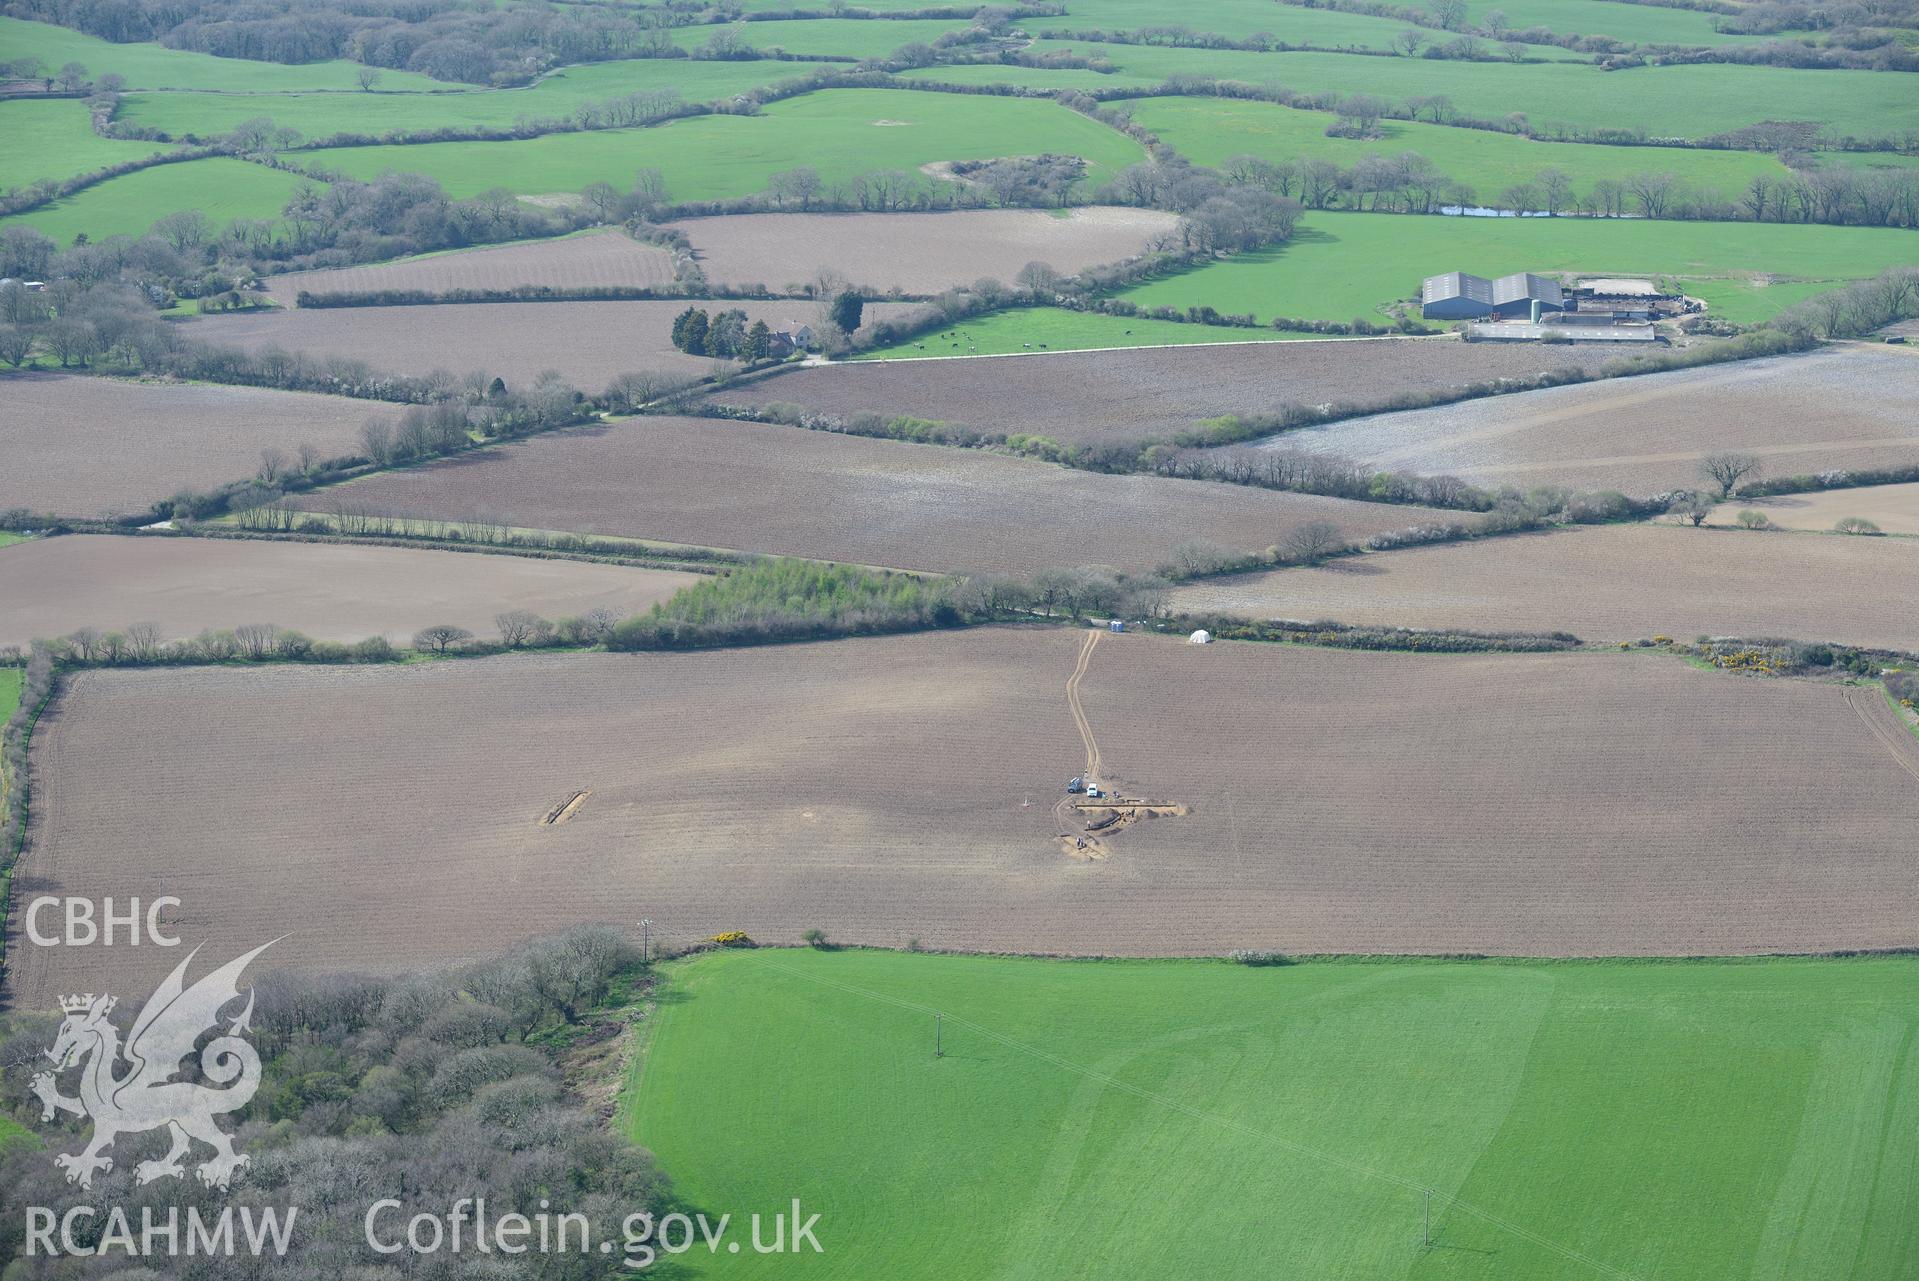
(222, 188)
(1210, 130)
(1689, 101)
(841, 133)
(1714, 1120)
(1024, 329)
(1339, 266)
(153, 66)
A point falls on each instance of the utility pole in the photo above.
(646, 940)
(939, 1049)
(1428, 1240)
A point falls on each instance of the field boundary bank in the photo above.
(423, 543)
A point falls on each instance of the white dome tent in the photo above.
(1200, 637)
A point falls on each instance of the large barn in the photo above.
(1459, 295)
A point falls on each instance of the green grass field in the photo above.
(224, 189)
(1690, 101)
(54, 138)
(1208, 131)
(1342, 265)
(1578, 1121)
(840, 132)
(9, 676)
(152, 66)
(999, 333)
(322, 115)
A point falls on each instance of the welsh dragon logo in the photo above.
(145, 1096)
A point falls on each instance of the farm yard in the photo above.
(1316, 1099)
(1833, 409)
(850, 761)
(902, 788)
(791, 491)
(1342, 265)
(1123, 396)
(917, 253)
(78, 446)
(183, 586)
(601, 259)
(1633, 582)
(588, 343)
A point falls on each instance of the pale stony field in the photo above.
(1837, 408)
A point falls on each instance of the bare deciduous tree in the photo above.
(521, 627)
(1312, 542)
(1726, 470)
(1693, 507)
(440, 637)
(255, 640)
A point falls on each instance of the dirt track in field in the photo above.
(919, 253)
(794, 492)
(1835, 408)
(54, 586)
(1107, 396)
(1606, 583)
(589, 343)
(600, 258)
(900, 788)
(79, 446)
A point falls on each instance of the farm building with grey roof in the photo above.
(1459, 295)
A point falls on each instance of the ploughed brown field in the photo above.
(1837, 408)
(918, 253)
(904, 787)
(589, 343)
(1604, 583)
(77, 446)
(791, 491)
(598, 258)
(1122, 396)
(1894, 508)
(184, 586)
